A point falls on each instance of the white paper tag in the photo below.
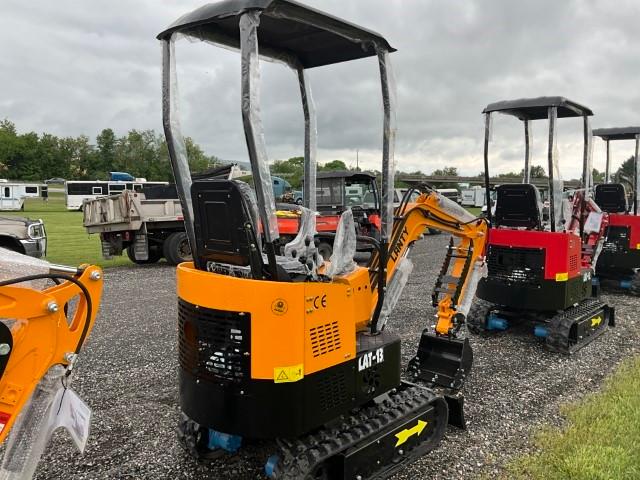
(71, 413)
(594, 220)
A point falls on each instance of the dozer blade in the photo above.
(442, 361)
(455, 403)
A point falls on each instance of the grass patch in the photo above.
(474, 210)
(601, 440)
(68, 241)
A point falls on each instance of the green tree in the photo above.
(598, 176)
(291, 170)
(446, 172)
(106, 143)
(333, 165)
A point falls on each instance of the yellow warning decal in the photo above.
(562, 277)
(288, 374)
(595, 321)
(407, 433)
(637, 246)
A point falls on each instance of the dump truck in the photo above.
(147, 225)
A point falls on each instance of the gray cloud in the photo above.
(75, 67)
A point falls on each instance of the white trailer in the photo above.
(12, 194)
(473, 197)
(77, 191)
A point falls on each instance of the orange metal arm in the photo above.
(430, 211)
(42, 335)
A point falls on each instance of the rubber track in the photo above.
(300, 457)
(559, 326)
(477, 318)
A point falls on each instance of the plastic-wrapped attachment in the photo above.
(14, 265)
(450, 207)
(344, 246)
(303, 245)
(479, 271)
(31, 432)
(394, 289)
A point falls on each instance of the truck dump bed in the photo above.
(129, 211)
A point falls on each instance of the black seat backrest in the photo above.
(611, 197)
(226, 224)
(518, 205)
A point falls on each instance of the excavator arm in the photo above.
(442, 360)
(41, 334)
(460, 272)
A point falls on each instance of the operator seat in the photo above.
(228, 240)
(611, 197)
(518, 205)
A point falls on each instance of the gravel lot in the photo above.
(128, 373)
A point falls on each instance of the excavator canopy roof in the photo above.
(621, 133)
(537, 108)
(287, 28)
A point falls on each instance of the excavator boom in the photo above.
(442, 361)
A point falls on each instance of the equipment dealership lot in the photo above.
(128, 375)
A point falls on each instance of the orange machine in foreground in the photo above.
(290, 347)
(42, 332)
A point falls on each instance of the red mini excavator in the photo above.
(620, 258)
(541, 273)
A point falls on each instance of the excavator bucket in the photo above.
(444, 362)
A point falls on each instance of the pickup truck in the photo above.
(147, 225)
(24, 236)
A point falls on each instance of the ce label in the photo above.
(320, 301)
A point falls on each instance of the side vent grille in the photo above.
(213, 343)
(332, 391)
(573, 262)
(325, 338)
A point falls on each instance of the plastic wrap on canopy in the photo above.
(344, 246)
(637, 175)
(394, 289)
(310, 140)
(173, 132)
(557, 183)
(388, 145)
(587, 168)
(254, 131)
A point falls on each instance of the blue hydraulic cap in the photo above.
(626, 284)
(270, 466)
(230, 443)
(496, 323)
(595, 281)
(540, 331)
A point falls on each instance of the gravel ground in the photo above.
(128, 374)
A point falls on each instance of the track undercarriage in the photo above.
(371, 442)
(563, 332)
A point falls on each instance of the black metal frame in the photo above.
(623, 133)
(536, 109)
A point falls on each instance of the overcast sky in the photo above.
(75, 67)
